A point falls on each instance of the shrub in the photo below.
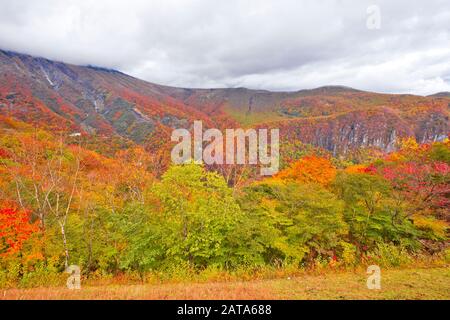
(389, 255)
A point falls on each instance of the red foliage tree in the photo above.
(15, 229)
(424, 184)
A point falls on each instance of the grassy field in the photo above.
(431, 283)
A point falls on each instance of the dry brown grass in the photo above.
(227, 291)
(396, 284)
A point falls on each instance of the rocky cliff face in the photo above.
(97, 100)
(380, 127)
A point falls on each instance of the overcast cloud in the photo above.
(275, 45)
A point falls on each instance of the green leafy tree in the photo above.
(304, 220)
(371, 212)
(197, 215)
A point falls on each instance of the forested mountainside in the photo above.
(86, 179)
(101, 101)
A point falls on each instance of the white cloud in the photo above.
(280, 45)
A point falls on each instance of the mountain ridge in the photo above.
(99, 100)
(323, 87)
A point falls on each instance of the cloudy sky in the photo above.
(275, 45)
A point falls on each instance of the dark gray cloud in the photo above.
(278, 45)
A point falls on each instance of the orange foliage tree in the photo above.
(310, 169)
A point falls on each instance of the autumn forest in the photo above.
(86, 180)
(63, 204)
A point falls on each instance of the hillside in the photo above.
(120, 210)
(107, 102)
